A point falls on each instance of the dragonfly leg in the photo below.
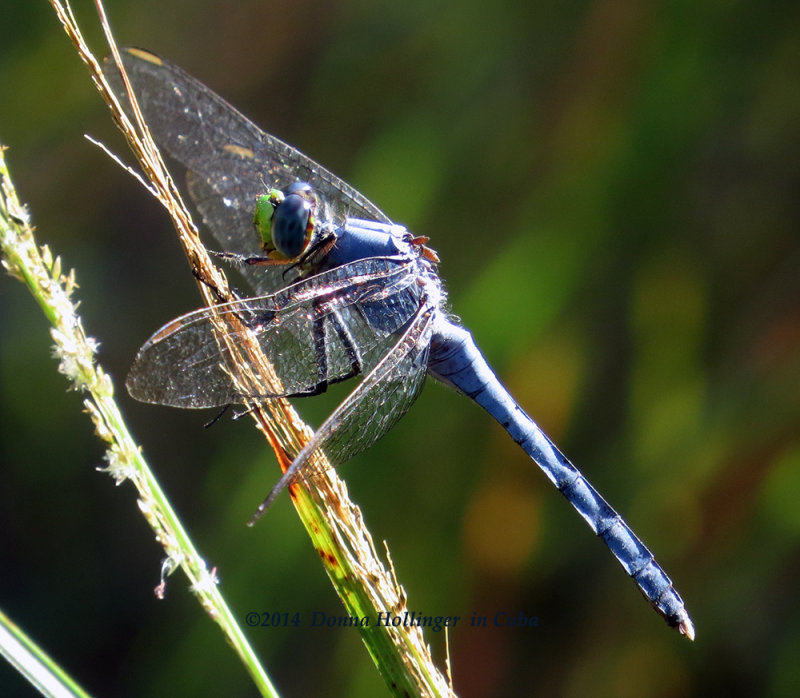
(250, 260)
(349, 345)
(318, 329)
(210, 284)
(217, 417)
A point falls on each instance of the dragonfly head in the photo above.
(285, 220)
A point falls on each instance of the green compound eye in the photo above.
(262, 218)
(284, 221)
(290, 225)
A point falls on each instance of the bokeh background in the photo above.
(613, 188)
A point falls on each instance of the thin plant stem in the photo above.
(366, 586)
(53, 290)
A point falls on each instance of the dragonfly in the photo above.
(341, 292)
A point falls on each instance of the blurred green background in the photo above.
(613, 188)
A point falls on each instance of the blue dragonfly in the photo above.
(341, 291)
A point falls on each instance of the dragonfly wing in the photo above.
(317, 331)
(372, 409)
(230, 160)
(229, 216)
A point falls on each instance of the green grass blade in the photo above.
(42, 274)
(34, 664)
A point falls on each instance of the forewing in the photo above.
(188, 363)
(372, 409)
(230, 160)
